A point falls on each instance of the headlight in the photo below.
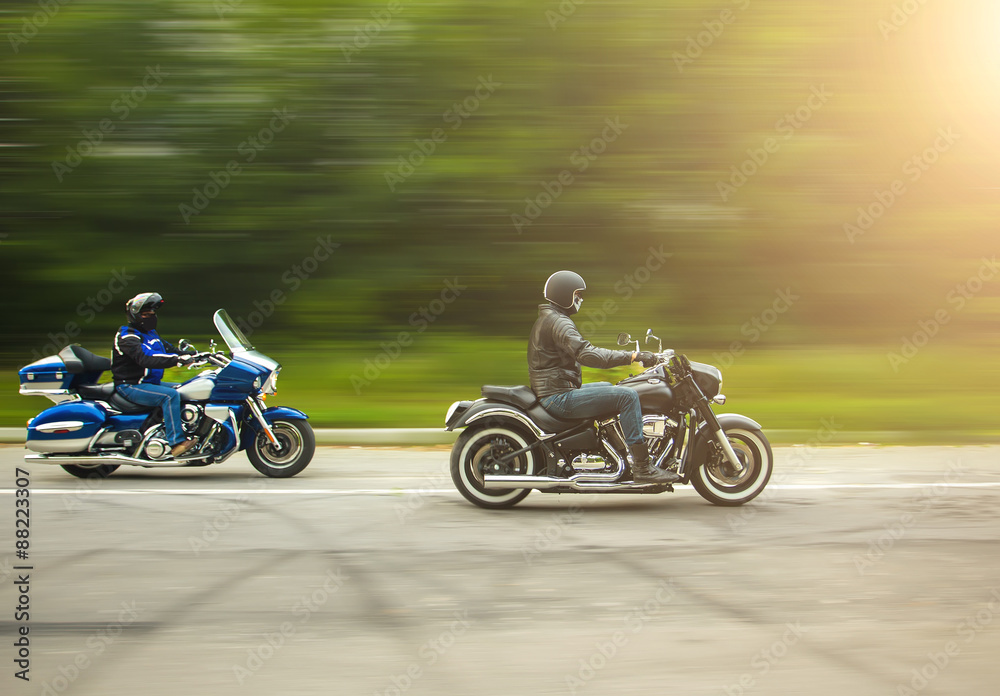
(257, 382)
(271, 385)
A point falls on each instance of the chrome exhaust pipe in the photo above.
(110, 458)
(578, 482)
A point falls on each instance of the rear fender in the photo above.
(729, 421)
(494, 410)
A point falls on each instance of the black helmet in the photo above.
(143, 302)
(560, 288)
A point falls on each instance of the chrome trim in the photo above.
(719, 399)
(71, 426)
(451, 412)
(57, 396)
(727, 447)
(93, 440)
(107, 458)
(259, 415)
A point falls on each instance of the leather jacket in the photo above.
(556, 351)
(140, 357)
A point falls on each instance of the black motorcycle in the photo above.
(511, 445)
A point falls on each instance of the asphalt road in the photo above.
(860, 571)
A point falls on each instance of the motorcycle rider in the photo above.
(556, 351)
(137, 363)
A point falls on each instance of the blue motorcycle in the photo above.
(92, 430)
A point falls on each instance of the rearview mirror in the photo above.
(624, 339)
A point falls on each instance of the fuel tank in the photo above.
(655, 394)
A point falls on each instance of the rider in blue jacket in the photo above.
(137, 363)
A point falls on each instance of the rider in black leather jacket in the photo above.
(556, 352)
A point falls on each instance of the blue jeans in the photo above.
(167, 398)
(599, 400)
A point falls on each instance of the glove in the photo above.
(185, 359)
(647, 359)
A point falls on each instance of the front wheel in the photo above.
(99, 471)
(295, 449)
(477, 451)
(715, 478)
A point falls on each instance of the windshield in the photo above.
(230, 332)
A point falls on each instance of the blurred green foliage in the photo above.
(826, 104)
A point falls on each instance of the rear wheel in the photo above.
(477, 452)
(99, 471)
(296, 446)
(719, 483)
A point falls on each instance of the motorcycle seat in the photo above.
(519, 396)
(550, 424)
(96, 391)
(106, 392)
(125, 406)
(525, 399)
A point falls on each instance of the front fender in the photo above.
(729, 421)
(270, 415)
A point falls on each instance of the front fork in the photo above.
(706, 412)
(255, 409)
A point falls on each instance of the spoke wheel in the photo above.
(718, 481)
(295, 449)
(478, 452)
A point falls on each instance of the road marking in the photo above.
(434, 491)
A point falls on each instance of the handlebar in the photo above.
(205, 358)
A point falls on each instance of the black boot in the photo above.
(643, 472)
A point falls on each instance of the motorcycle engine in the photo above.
(156, 448)
(588, 462)
(190, 416)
